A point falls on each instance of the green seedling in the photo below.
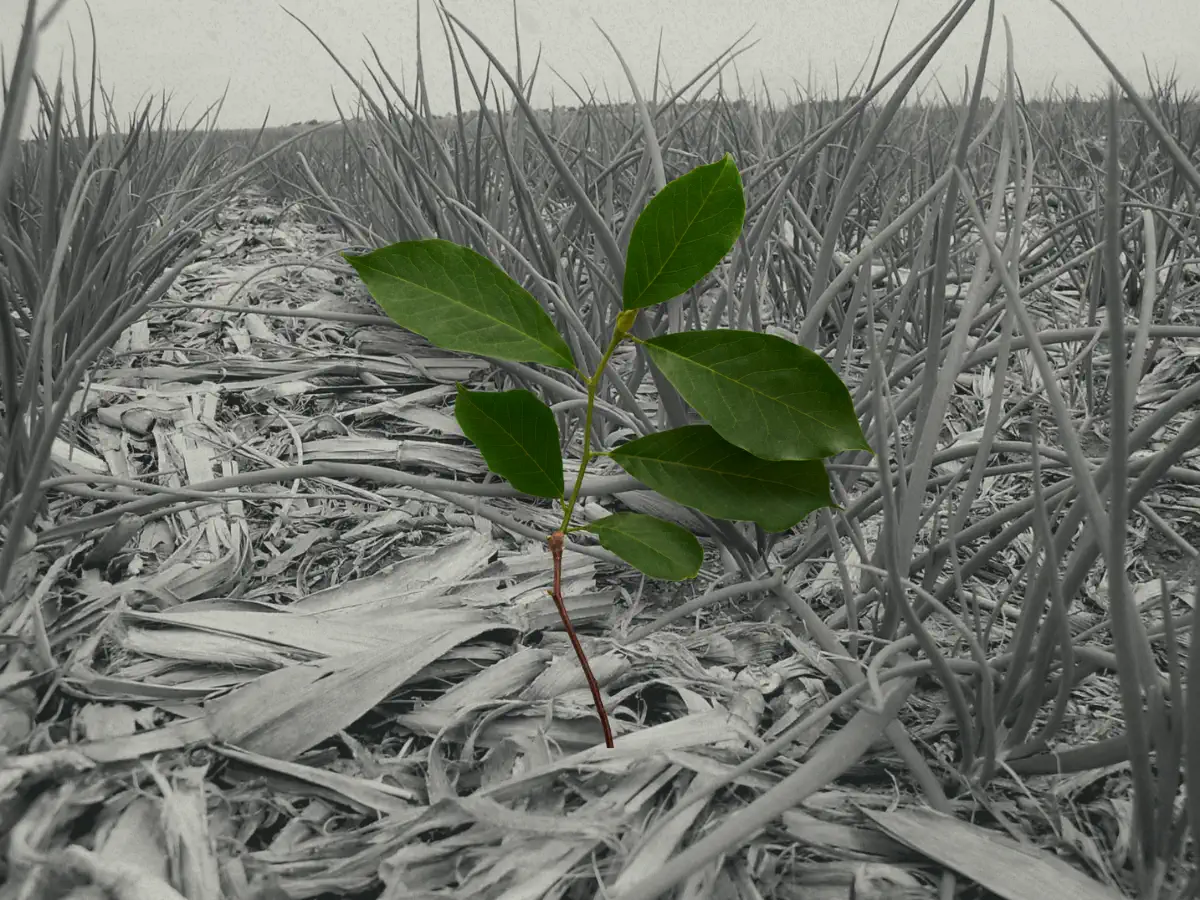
(773, 409)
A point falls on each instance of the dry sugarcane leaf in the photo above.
(285, 712)
(994, 861)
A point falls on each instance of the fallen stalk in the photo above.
(592, 486)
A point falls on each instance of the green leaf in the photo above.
(774, 399)
(460, 301)
(659, 549)
(695, 466)
(683, 232)
(518, 437)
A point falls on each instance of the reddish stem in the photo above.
(556, 552)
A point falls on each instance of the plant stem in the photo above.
(592, 384)
(624, 323)
(556, 551)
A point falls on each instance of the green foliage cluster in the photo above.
(772, 409)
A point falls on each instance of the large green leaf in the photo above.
(774, 399)
(695, 466)
(518, 437)
(659, 549)
(461, 301)
(683, 232)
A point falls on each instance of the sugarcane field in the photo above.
(683, 481)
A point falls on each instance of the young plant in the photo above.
(773, 409)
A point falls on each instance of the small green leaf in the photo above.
(767, 395)
(695, 466)
(518, 437)
(683, 232)
(460, 301)
(659, 549)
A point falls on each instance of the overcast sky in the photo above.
(193, 49)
